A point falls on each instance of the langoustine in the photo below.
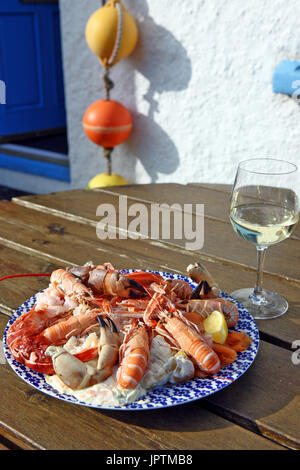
(134, 355)
(182, 333)
(204, 307)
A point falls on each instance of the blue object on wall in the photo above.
(31, 67)
(286, 77)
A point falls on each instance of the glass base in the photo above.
(270, 305)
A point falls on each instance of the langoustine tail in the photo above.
(226, 354)
(238, 340)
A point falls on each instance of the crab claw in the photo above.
(201, 290)
(81, 272)
(207, 287)
(107, 281)
(135, 289)
(112, 325)
(72, 372)
(119, 284)
(109, 344)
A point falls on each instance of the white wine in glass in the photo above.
(264, 211)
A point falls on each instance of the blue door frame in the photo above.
(31, 68)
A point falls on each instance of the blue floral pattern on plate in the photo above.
(162, 397)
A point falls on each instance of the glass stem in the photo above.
(258, 297)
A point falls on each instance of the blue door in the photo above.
(30, 68)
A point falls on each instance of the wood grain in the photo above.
(282, 260)
(216, 198)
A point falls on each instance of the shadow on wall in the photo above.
(163, 61)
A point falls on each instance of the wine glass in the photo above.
(264, 210)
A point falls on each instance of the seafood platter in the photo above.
(130, 339)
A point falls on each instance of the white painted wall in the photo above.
(198, 86)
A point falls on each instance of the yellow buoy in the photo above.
(104, 179)
(111, 33)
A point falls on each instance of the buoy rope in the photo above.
(119, 35)
(107, 154)
(107, 83)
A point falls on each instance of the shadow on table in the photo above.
(8, 193)
(241, 403)
(190, 417)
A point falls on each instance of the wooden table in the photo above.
(259, 411)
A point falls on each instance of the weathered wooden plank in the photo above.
(18, 441)
(62, 241)
(266, 398)
(215, 206)
(35, 420)
(14, 291)
(216, 202)
(220, 241)
(158, 193)
(56, 241)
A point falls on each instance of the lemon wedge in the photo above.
(216, 326)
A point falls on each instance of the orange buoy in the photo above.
(107, 123)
